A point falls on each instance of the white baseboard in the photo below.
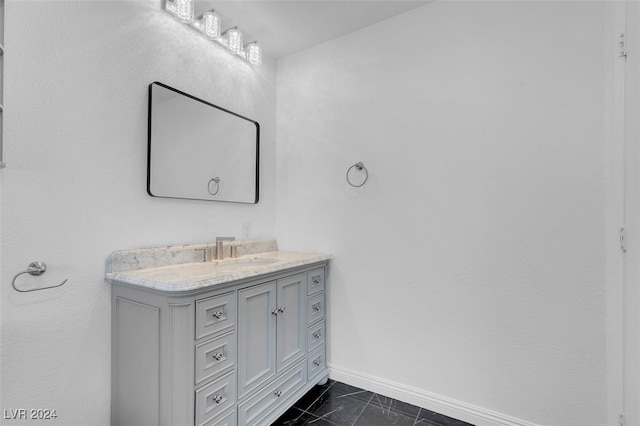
(441, 404)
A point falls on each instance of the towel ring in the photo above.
(359, 166)
(35, 268)
(216, 180)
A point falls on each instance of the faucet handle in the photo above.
(206, 253)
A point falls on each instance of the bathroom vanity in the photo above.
(225, 342)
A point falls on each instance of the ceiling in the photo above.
(282, 27)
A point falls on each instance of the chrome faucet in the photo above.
(219, 247)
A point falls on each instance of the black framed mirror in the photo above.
(200, 151)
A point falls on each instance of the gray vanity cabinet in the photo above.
(240, 353)
(256, 336)
(271, 336)
(291, 329)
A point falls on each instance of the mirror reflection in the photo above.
(198, 150)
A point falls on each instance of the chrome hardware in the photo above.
(207, 253)
(281, 309)
(316, 279)
(220, 247)
(316, 335)
(621, 43)
(275, 312)
(217, 315)
(278, 393)
(35, 269)
(215, 180)
(316, 307)
(359, 166)
(218, 399)
(217, 356)
(317, 362)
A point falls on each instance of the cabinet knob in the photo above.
(217, 356)
(317, 362)
(316, 307)
(218, 399)
(316, 280)
(278, 393)
(279, 310)
(217, 315)
(316, 335)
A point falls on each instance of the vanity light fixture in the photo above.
(181, 9)
(233, 39)
(209, 25)
(253, 53)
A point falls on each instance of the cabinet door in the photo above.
(291, 331)
(256, 336)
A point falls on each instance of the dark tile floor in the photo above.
(339, 404)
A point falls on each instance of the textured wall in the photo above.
(76, 76)
(471, 265)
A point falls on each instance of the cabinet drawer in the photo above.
(316, 362)
(215, 315)
(256, 408)
(315, 336)
(315, 281)
(224, 420)
(215, 357)
(216, 397)
(315, 308)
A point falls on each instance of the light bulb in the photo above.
(253, 53)
(233, 39)
(183, 10)
(211, 25)
(170, 7)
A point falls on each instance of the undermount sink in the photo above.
(243, 263)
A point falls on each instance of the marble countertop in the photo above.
(198, 275)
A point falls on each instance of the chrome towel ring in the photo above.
(359, 167)
(35, 268)
(215, 180)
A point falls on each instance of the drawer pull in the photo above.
(217, 356)
(316, 307)
(316, 279)
(316, 335)
(280, 310)
(218, 399)
(278, 393)
(316, 362)
(217, 315)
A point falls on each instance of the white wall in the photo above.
(471, 264)
(76, 76)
